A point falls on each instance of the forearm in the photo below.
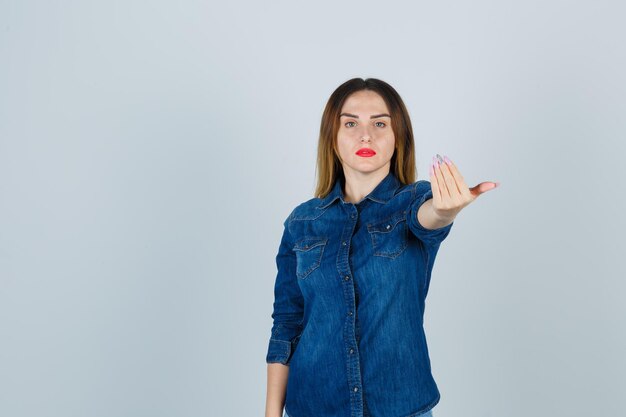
(427, 217)
(276, 389)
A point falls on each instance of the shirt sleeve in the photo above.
(430, 237)
(288, 303)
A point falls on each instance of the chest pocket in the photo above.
(309, 253)
(389, 236)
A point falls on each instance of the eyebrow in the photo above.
(371, 117)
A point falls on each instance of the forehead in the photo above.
(365, 102)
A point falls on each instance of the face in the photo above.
(365, 123)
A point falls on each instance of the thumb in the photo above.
(483, 187)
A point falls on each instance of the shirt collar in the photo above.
(380, 194)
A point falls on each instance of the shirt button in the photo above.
(347, 277)
(343, 243)
(351, 350)
(356, 389)
(349, 313)
(388, 226)
(353, 216)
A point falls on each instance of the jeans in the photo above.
(429, 413)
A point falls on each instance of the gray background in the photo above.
(149, 152)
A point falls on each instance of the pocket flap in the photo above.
(309, 243)
(388, 224)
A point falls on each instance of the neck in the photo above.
(358, 185)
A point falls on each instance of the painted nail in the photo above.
(440, 159)
(448, 161)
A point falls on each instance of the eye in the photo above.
(348, 123)
(384, 124)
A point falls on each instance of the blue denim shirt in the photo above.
(349, 304)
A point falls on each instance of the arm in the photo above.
(288, 325)
(438, 205)
(449, 194)
(424, 222)
(427, 217)
(276, 389)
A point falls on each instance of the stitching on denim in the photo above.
(393, 220)
(295, 216)
(404, 240)
(281, 356)
(426, 409)
(316, 241)
(321, 245)
(375, 234)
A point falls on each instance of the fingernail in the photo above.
(432, 170)
(440, 159)
(448, 161)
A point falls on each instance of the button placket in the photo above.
(349, 293)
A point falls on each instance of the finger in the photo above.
(434, 184)
(442, 188)
(485, 186)
(453, 188)
(460, 181)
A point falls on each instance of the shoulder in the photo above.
(416, 189)
(419, 188)
(307, 210)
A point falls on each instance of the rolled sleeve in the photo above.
(422, 191)
(288, 310)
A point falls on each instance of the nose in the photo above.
(366, 132)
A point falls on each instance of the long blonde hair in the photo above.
(329, 168)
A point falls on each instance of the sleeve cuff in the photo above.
(278, 351)
(428, 236)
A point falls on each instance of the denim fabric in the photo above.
(349, 301)
(428, 413)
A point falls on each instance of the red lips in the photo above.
(366, 152)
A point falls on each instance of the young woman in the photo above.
(354, 267)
